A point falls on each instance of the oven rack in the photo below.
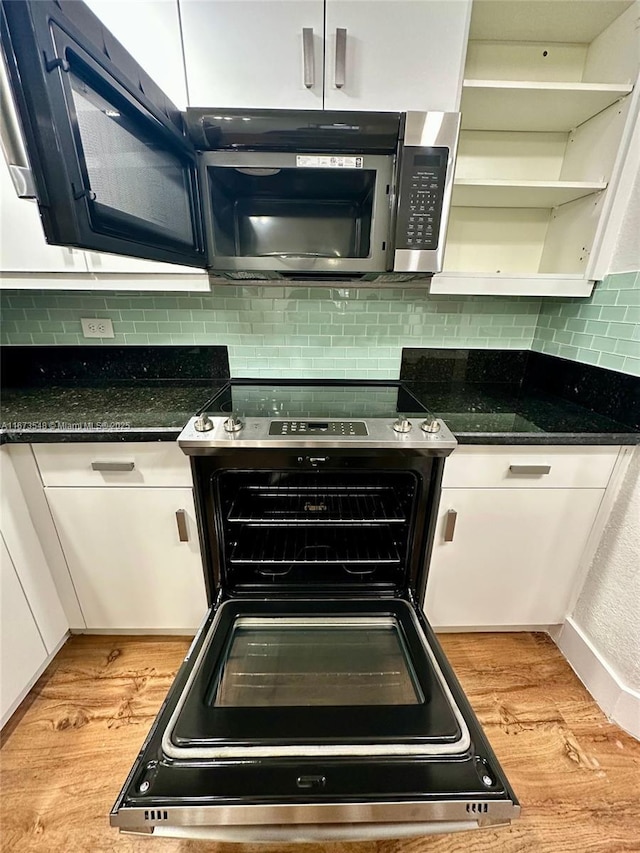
(268, 505)
(287, 547)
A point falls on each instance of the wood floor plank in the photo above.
(69, 747)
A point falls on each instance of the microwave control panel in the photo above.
(422, 179)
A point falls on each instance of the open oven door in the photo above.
(112, 168)
(303, 720)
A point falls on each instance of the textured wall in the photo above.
(602, 330)
(278, 331)
(608, 610)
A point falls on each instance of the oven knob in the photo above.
(233, 424)
(402, 425)
(203, 423)
(430, 425)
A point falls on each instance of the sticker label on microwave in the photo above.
(328, 161)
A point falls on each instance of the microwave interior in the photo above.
(313, 213)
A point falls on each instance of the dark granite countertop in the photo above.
(55, 394)
(521, 397)
(495, 414)
(139, 411)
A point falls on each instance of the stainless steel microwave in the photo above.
(260, 194)
(315, 194)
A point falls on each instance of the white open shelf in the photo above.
(532, 105)
(471, 284)
(496, 193)
(547, 107)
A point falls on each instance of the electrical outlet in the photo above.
(97, 328)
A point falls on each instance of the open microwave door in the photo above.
(112, 167)
(303, 720)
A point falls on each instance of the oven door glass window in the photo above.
(298, 677)
(289, 662)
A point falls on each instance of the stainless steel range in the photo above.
(315, 702)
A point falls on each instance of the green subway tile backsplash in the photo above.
(602, 330)
(331, 332)
(278, 331)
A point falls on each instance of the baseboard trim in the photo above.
(619, 702)
(136, 632)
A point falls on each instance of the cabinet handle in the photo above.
(181, 521)
(113, 466)
(450, 525)
(308, 61)
(341, 58)
(529, 469)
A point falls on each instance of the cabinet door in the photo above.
(22, 651)
(396, 54)
(112, 167)
(129, 567)
(513, 557)
(251, 53)
(150, 31)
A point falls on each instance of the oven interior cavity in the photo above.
(315, 529)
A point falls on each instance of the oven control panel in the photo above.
(334, 429)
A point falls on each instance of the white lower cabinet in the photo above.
(512, 557)
(22, 650)
(130, 568)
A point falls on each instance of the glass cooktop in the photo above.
(309, 400)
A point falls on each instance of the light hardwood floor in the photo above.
(69, 747)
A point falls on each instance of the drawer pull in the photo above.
(113, 466)
(530, 469)
(450, 525)
(181, 521)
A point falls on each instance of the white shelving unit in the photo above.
(471, 192)
(548, 105)
(527, 105)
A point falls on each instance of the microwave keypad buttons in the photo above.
(422, 189)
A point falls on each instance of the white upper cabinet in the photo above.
(336, 55)
(254, 53)
(150, 31)
(395, 54)
(548, 105)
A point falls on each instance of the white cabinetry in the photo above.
(150, 31)
(512, 555)
(390, 55)
(129, 534)
(250, 53)
(399, 55)
(34, 625)
(548, 107)
(22, 651)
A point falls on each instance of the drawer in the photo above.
(530, 468)
(160, 463)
